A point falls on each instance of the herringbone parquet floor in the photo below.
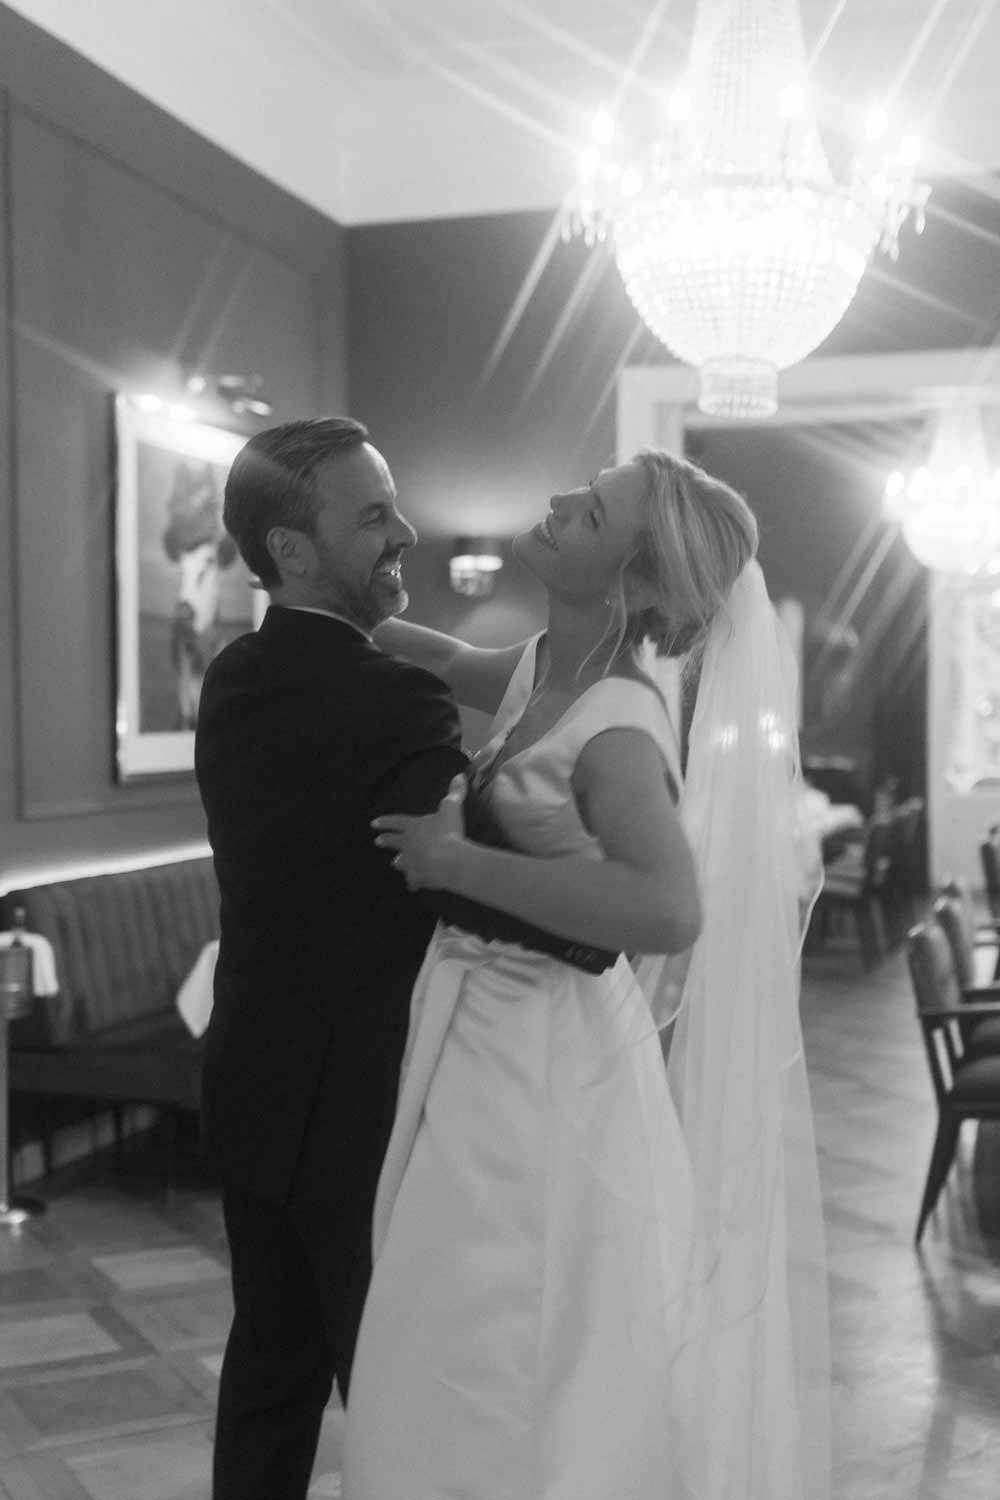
(114, 1305)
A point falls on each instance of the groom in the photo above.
(306, 731)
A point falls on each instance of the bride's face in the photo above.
(579, 549)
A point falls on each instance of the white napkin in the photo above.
(43, 961)
(194, 998)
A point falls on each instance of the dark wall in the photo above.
(480, 419)
(817, 495)
(484, 414)
(131, 250)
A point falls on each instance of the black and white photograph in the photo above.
(499, 750)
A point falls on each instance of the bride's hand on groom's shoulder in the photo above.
(426, 848)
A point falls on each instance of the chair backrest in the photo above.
(932, 968)
(957, 917)
(898, 847)
(935, 987)
(989, 855)
(911, 817)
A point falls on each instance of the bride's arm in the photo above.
(641, 898)
(477, 676)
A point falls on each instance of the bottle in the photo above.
(16, 986)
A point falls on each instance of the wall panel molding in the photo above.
(130, 251)
(9, 744)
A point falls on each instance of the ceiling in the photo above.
(382, 110)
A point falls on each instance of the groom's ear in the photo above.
(289, 550)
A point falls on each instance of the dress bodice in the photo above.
(530, 793)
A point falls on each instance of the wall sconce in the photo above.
(243, 393)
(473, 567)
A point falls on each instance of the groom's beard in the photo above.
(365, 602)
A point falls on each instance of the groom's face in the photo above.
(359, 539)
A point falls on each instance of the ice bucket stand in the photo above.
(16, 1000)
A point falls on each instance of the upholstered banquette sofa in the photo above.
(123, 941)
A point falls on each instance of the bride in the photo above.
(584, 1283)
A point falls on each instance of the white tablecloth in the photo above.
(194, 998)
(822, 817)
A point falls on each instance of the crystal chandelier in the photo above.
(736, 244)
(949, 509)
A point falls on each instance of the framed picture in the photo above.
(183, 591)
(970, 613)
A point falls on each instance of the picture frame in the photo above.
(182, 590)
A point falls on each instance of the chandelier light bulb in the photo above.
(679, 106)
(590, 161)
(792, 101)
(909, 150)
(893, 501)
(739, 248)
(603, 128)
(877, 123)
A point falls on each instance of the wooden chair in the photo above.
(905, 880)
(854, 885)
(979, 956)
(956, 919)
(989, 856)
(966, 1086)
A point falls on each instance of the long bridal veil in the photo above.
(756, 1377)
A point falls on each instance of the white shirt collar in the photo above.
(309, 609)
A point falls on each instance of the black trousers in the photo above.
(299, 1283)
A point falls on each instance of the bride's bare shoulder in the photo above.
(631, 672)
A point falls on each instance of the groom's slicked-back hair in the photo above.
(271, 483)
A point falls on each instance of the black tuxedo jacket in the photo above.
(306, 731)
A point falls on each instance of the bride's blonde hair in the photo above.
(699, 534)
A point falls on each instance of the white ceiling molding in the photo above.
(412, 109)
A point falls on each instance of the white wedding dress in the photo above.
(534, 1219)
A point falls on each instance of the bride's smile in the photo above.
(581, 545)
